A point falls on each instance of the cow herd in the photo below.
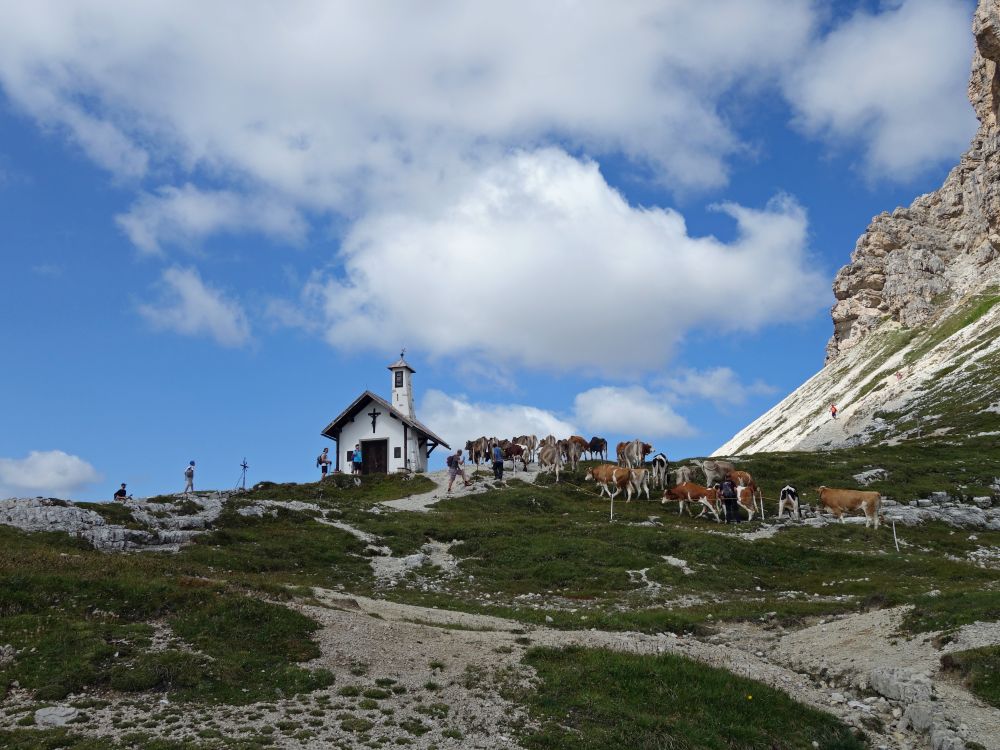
(633, 475)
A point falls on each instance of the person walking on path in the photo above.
(323, 462)
(356, 459)
(122, 494)
(454, 462)
(833, 411)
(498, 463)
(728, 491)
(189, 478)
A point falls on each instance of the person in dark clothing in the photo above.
(122, 494)
(497, 463)
(728, 491)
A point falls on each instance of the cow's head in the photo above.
(589, 476)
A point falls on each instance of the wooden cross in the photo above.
(374, 415)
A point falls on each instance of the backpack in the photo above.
(728, 490)
(319, 459)
(189, 472)
(450, 462)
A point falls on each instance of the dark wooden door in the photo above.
(375, 457)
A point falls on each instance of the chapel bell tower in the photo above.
(402, 386)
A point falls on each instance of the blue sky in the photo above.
(219, 225)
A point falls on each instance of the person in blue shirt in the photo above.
(497, 463)
(356, 459)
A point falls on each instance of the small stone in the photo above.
(548, 619)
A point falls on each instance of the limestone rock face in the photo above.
(912, 262)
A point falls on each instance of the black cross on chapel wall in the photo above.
(374, 415)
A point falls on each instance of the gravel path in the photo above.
(425, 500)
(827, 666)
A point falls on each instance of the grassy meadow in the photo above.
(84, 622)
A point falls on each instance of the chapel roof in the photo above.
(333, 429)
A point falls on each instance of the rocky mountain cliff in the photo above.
(913, 348)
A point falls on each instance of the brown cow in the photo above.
(838, 501)
(689, 492)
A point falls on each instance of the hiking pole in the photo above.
(894, 537)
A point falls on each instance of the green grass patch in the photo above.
(592, 698)
(980, 671)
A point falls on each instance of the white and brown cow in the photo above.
(572, 451)
(516, 452)
(633, 453)
(549, 457)
(839, 502)
(684, 474)
(689, 492)
(744, 479)
(611, 478)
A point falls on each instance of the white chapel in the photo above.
(389, 434)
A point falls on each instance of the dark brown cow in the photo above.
(515, 452)
(598, 447)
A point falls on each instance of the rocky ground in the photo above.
(439, 678)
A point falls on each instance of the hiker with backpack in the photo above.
(454, 463)
(189, 478)
(323, 462)
(728, 492)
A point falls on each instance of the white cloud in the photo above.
(629, 411)
(894, 81)
(538, 262)
(49, 473)
(188, 306)
(718, 384)
(340, 100)
(606, 410)
(458, 419)
(186, 214)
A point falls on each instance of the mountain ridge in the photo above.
(918, 278)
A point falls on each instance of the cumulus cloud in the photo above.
(895, 81)
(629, 411)
(539, 244)
(459, 419)
(340, 99)
(186, 214)
(48, 473)
(188, 306)
(720, 385)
